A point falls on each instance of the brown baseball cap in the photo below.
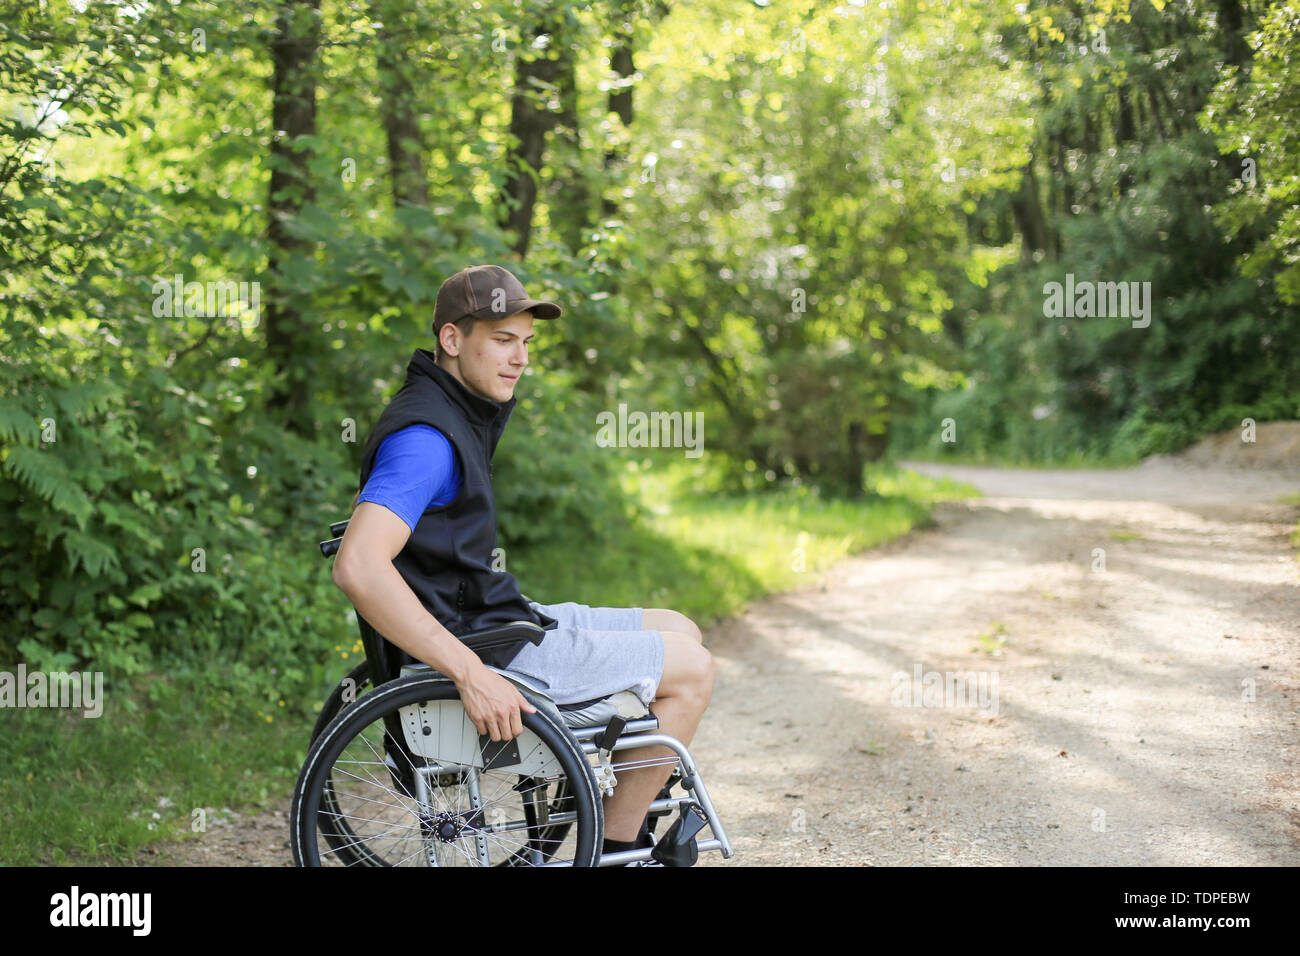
(486, 292)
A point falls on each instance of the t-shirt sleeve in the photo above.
(414, 469)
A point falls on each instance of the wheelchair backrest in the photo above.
(384, 657)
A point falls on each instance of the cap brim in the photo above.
(540, 309)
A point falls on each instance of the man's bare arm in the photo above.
(364, 569)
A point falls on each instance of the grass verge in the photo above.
(86, 791)
(1074, 460)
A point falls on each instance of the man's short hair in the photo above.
(466, 326)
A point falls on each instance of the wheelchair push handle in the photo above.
(331, 547)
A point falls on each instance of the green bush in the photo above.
(153, 523)
(552, 480)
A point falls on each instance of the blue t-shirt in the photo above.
(414, 469)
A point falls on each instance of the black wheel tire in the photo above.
(352, 687)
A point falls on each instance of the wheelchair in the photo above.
(397, 774)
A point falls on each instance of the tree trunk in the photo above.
(1236, 52)
(531, 118)
(1155, 115)
(293, 115)
(621, 101)
(1125, 132)
(1028, 210)
(571, 215)
(855, 459)
(399, 111)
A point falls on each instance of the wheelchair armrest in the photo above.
(500, 636)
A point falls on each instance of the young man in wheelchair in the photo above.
(415, 559)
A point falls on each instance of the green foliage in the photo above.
(164, 515)
(829, 237)
(820, 177)
(820, 257)
(552, 480)
(1253, 113)
(137, 533)
(1126, 187)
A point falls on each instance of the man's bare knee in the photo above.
(689, 668)
(663, 619)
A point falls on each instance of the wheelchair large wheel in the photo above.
(401, 778)
(348, 849)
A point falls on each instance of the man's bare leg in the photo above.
(683, 694)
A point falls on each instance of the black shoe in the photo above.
(644, 841)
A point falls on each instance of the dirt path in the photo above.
(1117, 725)
(1120, 735)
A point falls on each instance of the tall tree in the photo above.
(622, 93)
(534, 112)
(399, 108)
(572, 190)
(293, 112)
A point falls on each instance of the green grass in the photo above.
(709, 555)
(992, 640)
(84, 790)
(1293, 499)
(76, 790)
(1074, 460)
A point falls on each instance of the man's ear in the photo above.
(445, 337)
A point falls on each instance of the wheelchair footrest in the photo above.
(677, 847)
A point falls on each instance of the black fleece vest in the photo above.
(447, 560)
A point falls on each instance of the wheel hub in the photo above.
(447, 825)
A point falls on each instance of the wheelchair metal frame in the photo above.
(390, 662)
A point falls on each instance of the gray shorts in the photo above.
(592, 653)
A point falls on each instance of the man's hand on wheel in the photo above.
(493, 704)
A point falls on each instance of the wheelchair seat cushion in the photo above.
(593, 713)
(587, 713)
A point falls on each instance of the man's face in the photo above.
(490, 361)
